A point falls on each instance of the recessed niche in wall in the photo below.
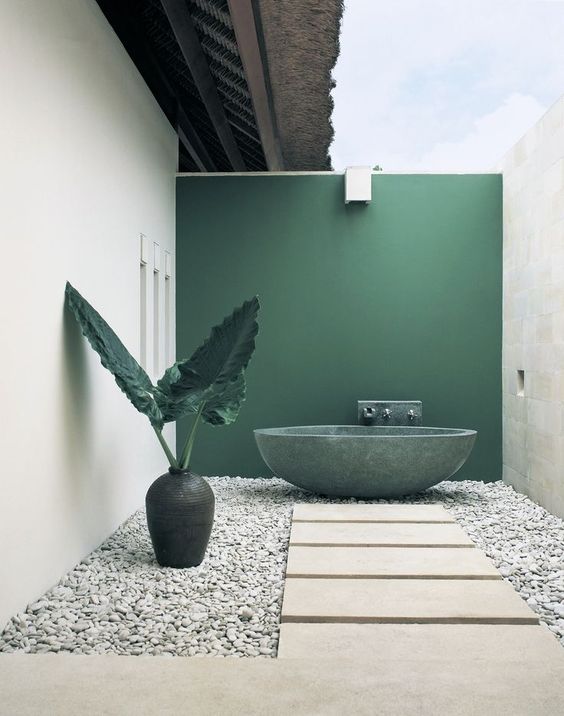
(167, 321)
(144, 250)
(521, 383)
(156, 309)
(168, 300)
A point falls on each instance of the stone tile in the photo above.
(514, 416)
(554, 503)
(483, 643)
(544, 325)
(560, 393)
(541, 445)
(519, 481)
(513, 355)
(542, 386)
(378, 534)
(553, 178)
(383, 562)
(514, 404)
(371, 513)
(544, 416)
(404, 601)
(536, 297)
(559, 316)
(513, 330)
(542, 473)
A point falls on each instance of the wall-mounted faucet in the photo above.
(390, 412)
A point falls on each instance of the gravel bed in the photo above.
(118, 600)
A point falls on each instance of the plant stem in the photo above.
(173, 462)
(187, 452)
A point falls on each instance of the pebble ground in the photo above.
(118, 600)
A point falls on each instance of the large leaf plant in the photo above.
(210, 384)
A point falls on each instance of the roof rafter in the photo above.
(191, 140)
(245, 28)
(189, 43)
(124, 20)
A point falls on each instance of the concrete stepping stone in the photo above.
(482, 643)
(438, 601)
(386, 562)
(343, 534)
(371, 513)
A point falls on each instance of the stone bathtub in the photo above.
(364, 461)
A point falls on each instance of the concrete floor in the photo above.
(67, 685)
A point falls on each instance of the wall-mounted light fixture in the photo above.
(358, 184)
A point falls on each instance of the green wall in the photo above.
(398, 299)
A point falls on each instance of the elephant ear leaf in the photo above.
(223, 408)
(172, 401)
(128, 374)
(214, 370)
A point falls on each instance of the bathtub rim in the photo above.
(443, 432)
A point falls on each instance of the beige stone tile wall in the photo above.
(533, 312)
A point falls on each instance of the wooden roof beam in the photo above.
(247, 35)
(189, 43)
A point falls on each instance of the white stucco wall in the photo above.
(87, 164)
(533, 314)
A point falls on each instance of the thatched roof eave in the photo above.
(301, 40)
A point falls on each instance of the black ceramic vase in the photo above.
(180, 509)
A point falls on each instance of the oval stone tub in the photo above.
(364, 461)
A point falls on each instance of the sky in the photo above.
(435, 85)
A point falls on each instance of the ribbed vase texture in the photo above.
(180, 509)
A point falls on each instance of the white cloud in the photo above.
(415, 75)
(492, 135)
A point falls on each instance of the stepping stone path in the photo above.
(403, 587)
(434, 514)
(389, 563)
(374, 534)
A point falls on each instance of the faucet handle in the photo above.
(386, 413)
(411, 414)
